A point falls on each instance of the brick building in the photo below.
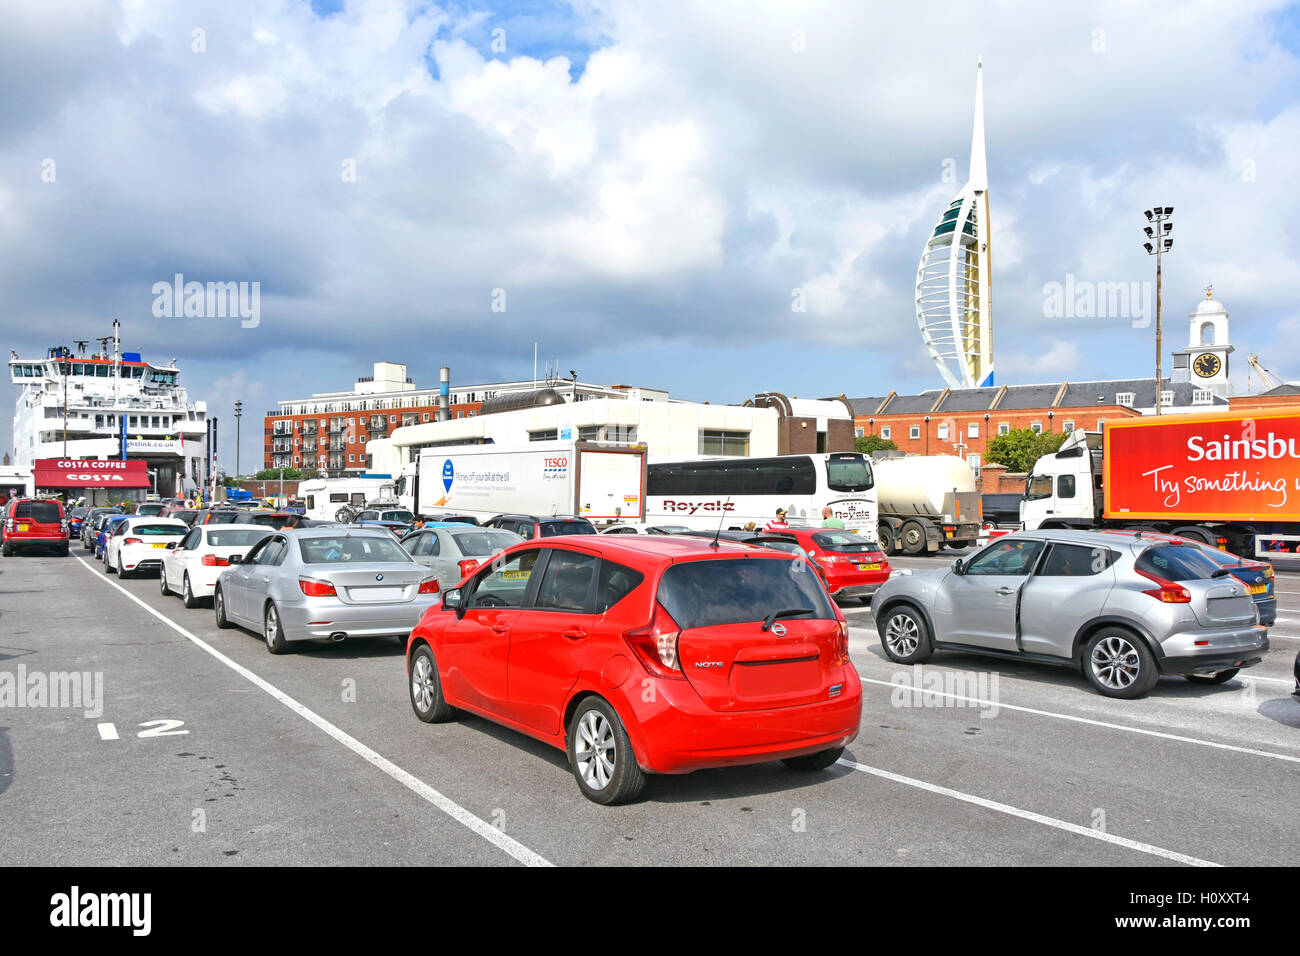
(808, 426)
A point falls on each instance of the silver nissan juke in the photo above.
(1121, 607)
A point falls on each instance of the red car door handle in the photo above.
(574, 633)
(500, 628)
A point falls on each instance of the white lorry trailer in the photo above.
(926, 502)
(335, 499)
(601, 482)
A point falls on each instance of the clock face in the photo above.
(1207, 365)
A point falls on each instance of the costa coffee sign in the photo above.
(77, 473)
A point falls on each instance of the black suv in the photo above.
(537, 526)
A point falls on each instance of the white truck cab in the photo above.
(1064, 489)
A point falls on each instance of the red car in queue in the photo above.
(852, 566)
(641, 654)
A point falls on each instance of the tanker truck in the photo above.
(1229, 479)
(926, 502)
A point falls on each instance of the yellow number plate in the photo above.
(516, 575)
(22, 527)
(868, 567)
(1259, 589)
(162, 545)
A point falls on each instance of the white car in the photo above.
(640, 527)
(193, 566)
(139, 543)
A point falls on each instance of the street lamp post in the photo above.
(239, 413)
(1159, 242)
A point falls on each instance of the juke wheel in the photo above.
(426, 689)
(273, 632)
(1119, 664)
(905, 636)
(601, 756)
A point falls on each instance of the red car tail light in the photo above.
(214, 561)
(466, 566)
(134, 541)
(656, 645)
(314, 588)
(1168, 591)
(844, 639)
(429, 586)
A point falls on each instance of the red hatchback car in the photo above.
(852, 565)
(643, 654)
(34, 522)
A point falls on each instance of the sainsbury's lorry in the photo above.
(1228, 479)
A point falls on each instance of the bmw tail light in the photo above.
(134, 541)
(313, 588)
(429, 586)
(656, 644)
(214, 561)
(466, 566)
(1168, 591)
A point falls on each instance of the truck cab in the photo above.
(1063, 490)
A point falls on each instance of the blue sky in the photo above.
(647, 185)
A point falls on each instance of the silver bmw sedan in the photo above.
(324, 583)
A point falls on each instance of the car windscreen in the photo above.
(236, 537)
(476, 544)
(552, 528)
(1177, 563)
(154, 530)
(843, 541)
(345, 549)
(718, 591)
(45, 512)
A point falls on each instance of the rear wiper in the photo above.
(1220, 573)
(789, 612)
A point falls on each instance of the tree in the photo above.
(273, 474)
(869, 443)
(1019, 448)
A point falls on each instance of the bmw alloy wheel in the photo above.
(1115, 662)
(594, 750)
(902, 634)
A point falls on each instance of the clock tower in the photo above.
(1204, 362)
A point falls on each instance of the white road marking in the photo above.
(107, 732)
(408, 780)
(1095, 723)
(1030, 815)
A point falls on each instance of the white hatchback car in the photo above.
(139, 543)
(192, 567)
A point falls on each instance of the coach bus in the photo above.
(735, 493)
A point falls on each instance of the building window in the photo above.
(426, 416)
(1101, 424)
(942, 431)
(1036, 428)
(1202, 396)
(1166, 398)
(730, 444)
(975, 461)
(973, 430)
(589, 433)
(914, 432)
(885, 432)
(392, 419)
(1125, 399)
(1004, 428)
(1067, 427)
(544, 435)
(352, 458)
(859, 433)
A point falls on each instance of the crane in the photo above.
(1265, 375)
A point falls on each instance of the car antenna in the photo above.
(718, 533)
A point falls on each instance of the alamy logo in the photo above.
(75, 908)
(73, 690)
(214, 300)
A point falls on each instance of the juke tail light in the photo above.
(655, 645)
(313, 588)
(1168, 592)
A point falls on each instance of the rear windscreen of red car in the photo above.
(41, 512)
(735, 590)
(843, 541)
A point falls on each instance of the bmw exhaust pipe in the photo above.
(337, 636)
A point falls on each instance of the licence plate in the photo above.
(868, 567)
(157, 545)
(1259, 589)
(369, 595)
(22, 527)
(515, 575)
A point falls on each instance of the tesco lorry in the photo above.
(926, 502)
(601, 482)
(1229, 479)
